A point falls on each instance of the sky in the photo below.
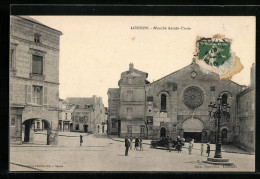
(95, 50)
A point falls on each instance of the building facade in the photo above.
(65, 115)
(34, 78)
(246, 115)
(175, 105)
(88, 115)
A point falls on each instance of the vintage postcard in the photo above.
(132, 93)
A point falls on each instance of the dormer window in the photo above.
(37, 38)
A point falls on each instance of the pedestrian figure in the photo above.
(190, 146)
(208, 148)
(201, 148)
(136, 143)
(131, 143)
(179, 143)
(81, 139)
(127, 145)
(141, 144)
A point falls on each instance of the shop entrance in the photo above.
(192, 129)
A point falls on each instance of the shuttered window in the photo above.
(11, 92)
(37, 65)
(45, 95)
(28, 94)
(12, 59)
(37, 95)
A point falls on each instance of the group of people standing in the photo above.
(129, 144)
(201, 148)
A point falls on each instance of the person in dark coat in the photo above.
(179, 143)
(81, 139)
(208, 149)
(136, 143)
(127, 145)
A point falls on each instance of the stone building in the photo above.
(246, 115)
(65, 113)
(88, 115)
(34, 78)
(175, 105)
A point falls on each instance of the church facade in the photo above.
(175, 105)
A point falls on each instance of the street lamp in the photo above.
(218, 111)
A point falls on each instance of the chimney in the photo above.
(131, 67)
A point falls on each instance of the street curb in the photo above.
(123, 141)
(185, 147)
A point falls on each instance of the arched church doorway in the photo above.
(163, 132)
(192, 129)
(224, 136)
(30, 128)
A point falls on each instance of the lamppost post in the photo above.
(218, 111)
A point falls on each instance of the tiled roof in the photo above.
(81, 101)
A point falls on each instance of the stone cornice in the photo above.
(36, 44)
(30, 79)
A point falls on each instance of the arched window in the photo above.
(163, 102)
(224, 99)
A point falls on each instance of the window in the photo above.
(163, 102)
(86, 118)
(76, 118)
(212, 88)
(11, 91)
(37, 38)
(129, 96)
(80, 119)
(114, 123)
(130, 80)
(129, 113)
(12, 59)
(141, 129)
(129, 129)
(175, 87)
(13, 121)
(37, 95)
(38, 125)
(76, 127)
(149, 119)
(66, 116)
(161, 123)
(224, 99)
(37, 65)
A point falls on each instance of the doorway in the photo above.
(119, 128)
(163, 132)
(224, 136)
(71, 127)
(85, 128)
(192, 135)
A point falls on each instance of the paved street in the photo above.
(101, 153)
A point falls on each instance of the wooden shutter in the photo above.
(28, 95)
(45, 95)
(11, 92)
